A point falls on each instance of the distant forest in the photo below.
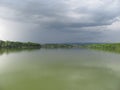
(11, 44)
(113, 47)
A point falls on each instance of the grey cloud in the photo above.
(53, 17)
(37, 10)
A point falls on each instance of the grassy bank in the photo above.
(112, 47)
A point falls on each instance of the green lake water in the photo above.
(59, 69)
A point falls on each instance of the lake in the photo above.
(59, 69)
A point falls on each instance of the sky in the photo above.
(60, 21)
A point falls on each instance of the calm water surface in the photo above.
(59, 69)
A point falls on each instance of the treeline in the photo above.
(11, 44)
(113, 47)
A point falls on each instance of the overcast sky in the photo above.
(58, 21)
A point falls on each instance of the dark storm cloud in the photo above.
(56, 13)
(79, 19)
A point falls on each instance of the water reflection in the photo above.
(15, 50)
(117, 51)
(60, 69)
